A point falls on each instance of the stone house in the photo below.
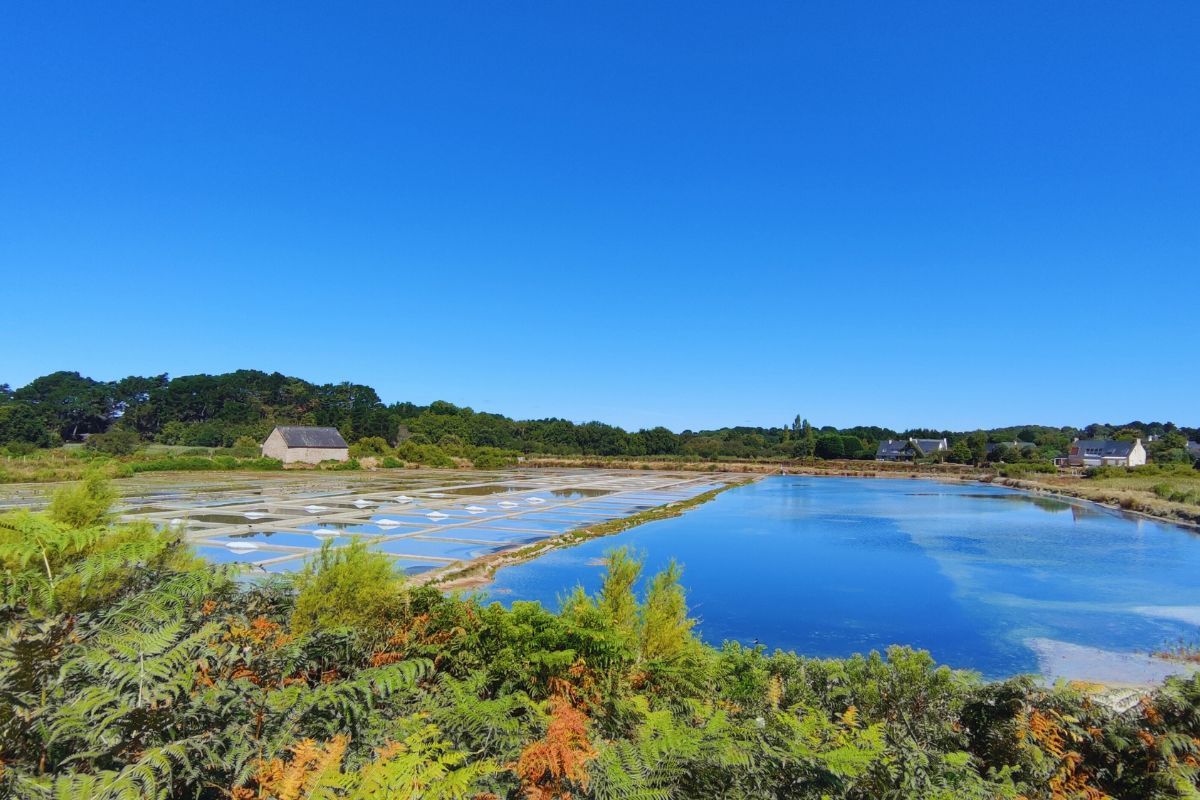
(295, 444)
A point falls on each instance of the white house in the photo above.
(295, 444)
(1106, 453)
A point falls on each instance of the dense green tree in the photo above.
(217, 410)
(854, 447)
(116, 441)
(829, 445)
(69, 403)
(1170, 448)
(660, 441)
(961, 452)
(20, 422)
(978, 442)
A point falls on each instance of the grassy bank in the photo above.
(480, 572)
(1147, 491)
(72, 464)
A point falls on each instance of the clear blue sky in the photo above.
(908, 214)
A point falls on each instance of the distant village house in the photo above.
(1106, 453)
(294, 444)
(901, 450)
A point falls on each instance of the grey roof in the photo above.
(300, 436)
(891, 448)
(927, 446)
(1194, 448)
(1107, 447)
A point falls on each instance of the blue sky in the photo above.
(690, 214)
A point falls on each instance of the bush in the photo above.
(427, 454)
(370, 446)
(18, 449)
(391, 462)
(1024, 468)
(84, 504)
(493, 458)
(245, 447)
(1168, 492)
(116, 442)
(347, 587)
(1142, 471)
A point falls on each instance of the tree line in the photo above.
(218, 410)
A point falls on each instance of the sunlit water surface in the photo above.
(985, 578)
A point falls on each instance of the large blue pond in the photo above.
(984, 578)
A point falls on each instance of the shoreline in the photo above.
(1122, 500)
(1191, 523)
(481, 571)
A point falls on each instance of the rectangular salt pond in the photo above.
(985, 578)
(219, 554)
(284, 516)
(522, 523)
(492, 535)
(289, 539)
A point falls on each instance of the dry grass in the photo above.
(1133, 490)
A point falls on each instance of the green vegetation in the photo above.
(237, 410)
(347, 587)
(129, 669)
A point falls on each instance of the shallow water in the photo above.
(983, 577)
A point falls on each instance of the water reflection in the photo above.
(833, 566)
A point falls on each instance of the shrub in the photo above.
(1024, 468)
(427, 454)
(493, 458)
(84, 504)
(391, 462)
(116, 442)
(262, 463)
(347, 587)
(245, 447)
(1168, 492)
(352, 464)
(370, 446)
(18, 449)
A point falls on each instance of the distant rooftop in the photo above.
(1104, 447)
(301, 436)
